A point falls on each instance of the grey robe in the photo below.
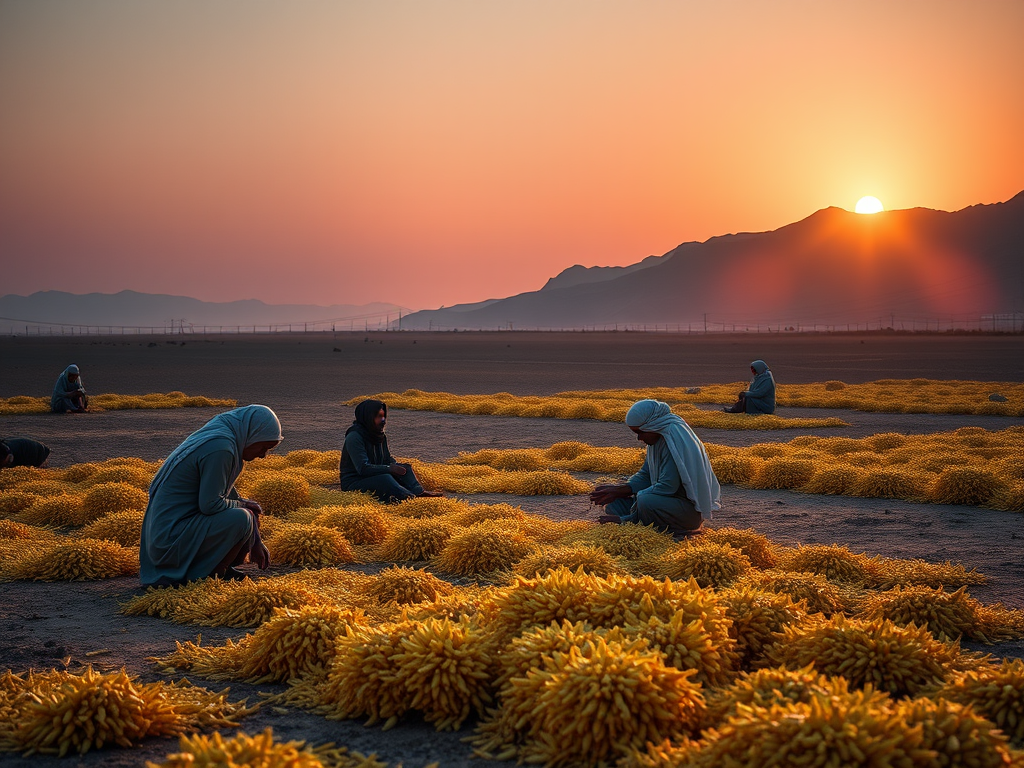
(660, 497)
(195, 519)
(60, 400)
(761, 393)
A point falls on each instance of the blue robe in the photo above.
(64, 390)
(760, 395)
(195, 519)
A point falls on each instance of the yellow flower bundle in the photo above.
(61, 559)
(59, 712)
(884, 395)
(291, 645)
(588, 558)
(581, 406)
(483, 479)
(995, 692)
(706, 562)
(243, 751)
(757, 616)
(106, 498)
(902, 661)
(955, 467)
(596, 703)
(483, 549)
(762, 688)
(111, 402)
(947, 615)
(360, 524)
(124, 528)
(309, 545)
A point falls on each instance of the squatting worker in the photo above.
(195, 524)
(367, 464)
(23, 452)
(675, 489)
(759, 397)
(69, 392)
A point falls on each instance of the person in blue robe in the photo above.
(367, 464)
(69, 392)
(196, 525)
(676, 488)
(759, 397)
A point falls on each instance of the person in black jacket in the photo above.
(23, 452)
(367, 464)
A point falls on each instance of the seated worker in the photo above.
(367, 464)
(23, 452)
(675, 489)
(195, 524)
(759, 397)
(69, 393)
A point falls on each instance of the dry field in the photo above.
(761, 574)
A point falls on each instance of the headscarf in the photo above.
(763, 381)
(687, 452)
(366, 412)
(64, 387)
(242, 426)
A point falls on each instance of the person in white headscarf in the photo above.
(676, 488)
(69, 392)
(196, 525)
(759, 397)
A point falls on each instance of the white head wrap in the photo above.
(687, 451)
(243, 426)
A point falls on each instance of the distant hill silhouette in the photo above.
(129, 308)
(833, 267)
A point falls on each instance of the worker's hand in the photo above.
(252, 506)
(397, 469)
(260, 555)
(605, 494)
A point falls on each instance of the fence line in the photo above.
(995, 323)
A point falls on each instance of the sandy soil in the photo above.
(304, 380)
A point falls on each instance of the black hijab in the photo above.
(366, 412)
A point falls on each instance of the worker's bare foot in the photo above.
(604, 519)
(431, 494)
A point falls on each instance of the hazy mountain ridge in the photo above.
(131, 308)
(832, 267)
(578, 274)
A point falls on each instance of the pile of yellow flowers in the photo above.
(58, 712)
(112, 402)
(541, 661)
(245, 751)
(582, 406)
(884, 395)
(835, 633)
(970, 465)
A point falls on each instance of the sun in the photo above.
(869, 205)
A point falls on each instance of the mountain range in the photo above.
(129, 308)
(831, 268)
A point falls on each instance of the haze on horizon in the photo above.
(435, 153)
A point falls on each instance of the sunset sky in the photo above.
(428, 153)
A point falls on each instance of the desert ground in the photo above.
(306, 379)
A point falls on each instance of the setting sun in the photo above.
(869, 204)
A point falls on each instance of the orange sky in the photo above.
(429, 153)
